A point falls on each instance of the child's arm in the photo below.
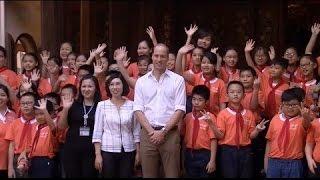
(182, 51)
(11, 172)
(305, 113)
(219, 58)
(247, 49)
(119, 58)
(43, 107)
(266, 156)
(95, 53)
(254, 103)
(190, 33)
(152, 35)
(315, 29)
(308, 150)
(211, 166)
(213, 126)
(260, 127)
(45, 55)
(67, 102)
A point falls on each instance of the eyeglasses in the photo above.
(30, 103)
(305, 65)
(291, 105)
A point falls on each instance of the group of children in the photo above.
(262, 118)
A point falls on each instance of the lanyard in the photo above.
(85, 115)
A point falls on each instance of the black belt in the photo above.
(157, 128)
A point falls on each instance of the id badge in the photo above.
(84, 131)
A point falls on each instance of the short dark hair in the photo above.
(281, 61)
(4, 51)
(6, 90)
(112, 76)
(54, 96)
(72, 87)
(144, 57)
(202, 91)
(34, 89)
(312, 59)
(97, 95)
(211, 56)
(235, 82)
(31, 94)
(249, 68)
(87, 67)
(293, 94)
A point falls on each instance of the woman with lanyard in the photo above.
(6, 117)
(79, 117)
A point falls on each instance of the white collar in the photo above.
(211, 81)
(31, 122)
(283, 118)
(234, 113)
(3, 116)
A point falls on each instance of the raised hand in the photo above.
(262, 125)
(150, 32)
(205, 116)
(93, 53)
(35, 75)
(26, 84)
(67, 101)
(185, 49)
(126, 63)
(98, 68)
(100, 48)
(315, 29)
(214, 50)
(101, 54)
(120, 53)
(191, 30)
(249, 45)
(42, 104)
(272, 53)
(45, 55)
(305, 112)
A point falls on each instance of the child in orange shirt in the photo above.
(43, 142)
(312, 148)
(6, 118)
(65, 50)
(273, 87)
(6, 74)
(286, 137)
(196, 57)
(19, 135)
(201, 145)
(234, 130)
(229, 71)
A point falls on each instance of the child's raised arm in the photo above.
(120, 56)
(190, 32)
(247, 49)
(315, 29)
(152, 35)
(179, 68)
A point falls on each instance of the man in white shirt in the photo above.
(159, 104)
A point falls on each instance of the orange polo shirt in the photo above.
(309, 86)
(285, 76)
(14, 133)
(246, 101)
(10, 77)
(44, 87)
(205, 134)
(189, 86)
(46, 145)
(133, 70)
(313, 136)
(297, 138)
(226, 122)
(5, 122)
(218, 92)
(228, 76)
(266, 89)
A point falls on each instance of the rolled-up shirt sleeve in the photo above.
(98, 124)
(136, 130)
(138, 97)
(180, 95)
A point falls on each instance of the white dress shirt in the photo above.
(158, 100)
(114, 127)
